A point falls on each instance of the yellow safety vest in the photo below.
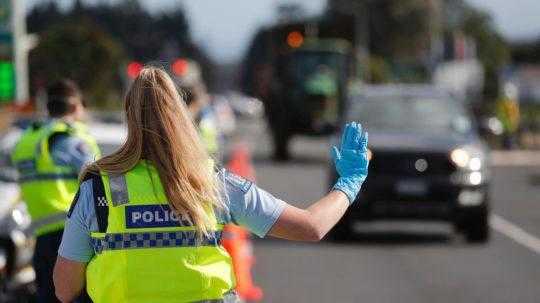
(145, 253)
(47, 188)
(208, 133)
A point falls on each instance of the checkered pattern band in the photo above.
(142, 240)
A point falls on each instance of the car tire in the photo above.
(281, 144)
(477, 228)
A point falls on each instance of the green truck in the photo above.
(302, 79)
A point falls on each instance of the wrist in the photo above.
(349, 186)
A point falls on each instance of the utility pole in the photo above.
(22, 44)
(359, 9)
(14, 47)
(361, 24)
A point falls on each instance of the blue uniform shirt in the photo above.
(70, 151)
(245, 205)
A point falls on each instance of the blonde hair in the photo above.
(161, 131)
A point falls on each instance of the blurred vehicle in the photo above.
(427, 161)
(313, 79)
(527, 79)
(224, 114)
(245, 106)
(211, 113)
(16, 241)
(300, 71)
(16, 247)
(109, 136)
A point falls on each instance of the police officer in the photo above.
(197, 98)
(507, 110)
(147, 223)
(204, 118)
(49, 157)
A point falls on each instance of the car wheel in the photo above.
(281, 145)
(477, 228)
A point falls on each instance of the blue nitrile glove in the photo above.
(351, 160)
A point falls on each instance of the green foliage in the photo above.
(145, 37)
(399, 35)
(397, 29)
(82, 52)
(407, 27)
(491, 48)
(402, 32)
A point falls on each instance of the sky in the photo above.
(225, 28)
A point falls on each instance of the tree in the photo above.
(145, 37)
(402, 31)
(82, 52)
(492, 50)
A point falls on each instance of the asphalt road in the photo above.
(399, 262)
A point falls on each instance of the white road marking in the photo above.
(515, 158)
(515, 233)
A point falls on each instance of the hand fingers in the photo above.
(353, 139)
(348, 143)
(344, 134)
(357, 136)
(364, 142)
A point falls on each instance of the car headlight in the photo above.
(471, 164)
(475, 163)
(467, 158)
(460, 157)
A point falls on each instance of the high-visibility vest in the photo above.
(208, 132)
(209, 136)
(47, 188)
(145, 253)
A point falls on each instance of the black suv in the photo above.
(427, 161)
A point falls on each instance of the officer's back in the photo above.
(49, 157)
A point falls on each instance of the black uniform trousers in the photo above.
(43, 261)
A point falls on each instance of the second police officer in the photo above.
(49, 157)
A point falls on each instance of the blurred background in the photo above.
(449, 91)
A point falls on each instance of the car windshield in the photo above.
(418, 114)
(305, 64)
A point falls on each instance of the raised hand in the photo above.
(351, 160)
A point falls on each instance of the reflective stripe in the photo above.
(229, 297)
(48, 176)
(26, 165)
(52, 219)
(119, 193)
(185, 238)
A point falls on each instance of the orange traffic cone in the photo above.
(236, 240)
(240, 162)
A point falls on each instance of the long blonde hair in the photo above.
(161, 131)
